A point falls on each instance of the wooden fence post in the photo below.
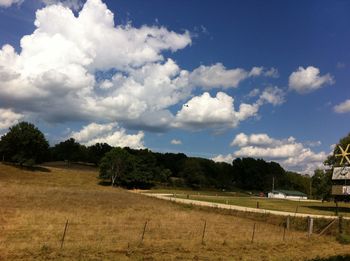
(296, 210)
(203, 234)
(253, 234)
(288, 223)
(64, 234)
(143, 232)
(340, 224)
(310, 226)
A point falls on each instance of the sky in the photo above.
(214, 79)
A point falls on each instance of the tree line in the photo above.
(25, 145)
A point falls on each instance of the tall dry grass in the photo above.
(107, 224)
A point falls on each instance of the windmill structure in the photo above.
(341, 176)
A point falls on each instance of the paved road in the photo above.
(170, 197)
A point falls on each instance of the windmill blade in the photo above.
(341, 149)
(347, 159)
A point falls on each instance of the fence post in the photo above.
(288, 222)
(340, 224)
(257, 204)
(253, 233)
(296, 210)
(203, 234)
(64, 234)
(143, 232)
(310, 225)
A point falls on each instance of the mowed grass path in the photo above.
(107, 223)
(308, 207)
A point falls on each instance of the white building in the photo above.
(287, 194)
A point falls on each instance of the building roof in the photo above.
(290, 192)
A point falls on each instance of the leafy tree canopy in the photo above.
(97, 151)
(322, 184)
(24, 144)
(69, 150)
(115, 165)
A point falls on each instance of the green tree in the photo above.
(115, 165)
(69, 150)
(295, 181)
(132, 168)
(193, 173)
(24, 144)
(97, 151)
(257, 174)
(321, 184)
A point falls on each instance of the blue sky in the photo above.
(216, 79)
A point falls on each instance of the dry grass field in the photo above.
(107, 224)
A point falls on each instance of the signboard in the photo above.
(346, 190)
(340, 190)
(341, 173)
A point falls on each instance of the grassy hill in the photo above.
(107, 223)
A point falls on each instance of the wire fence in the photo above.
(69, 232)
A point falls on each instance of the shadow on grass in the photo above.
(105, 183)
(30, 168)
(333, 258)
(331, 209)
(40, 168)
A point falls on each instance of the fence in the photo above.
(69, 232)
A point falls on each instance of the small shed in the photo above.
(287, 194)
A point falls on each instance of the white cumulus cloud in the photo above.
(288, 152)
(256, 71)
(60, 59)
(223, 158)
(72, 4)
(306, 80)
(272, 95)
(82, 66)
(243, 140)
(343, 107)
(206, 111)
(8, 118)
(176, 142)
(109, 133)
(8, 3)
(272, 72)
(253, 93)
(217, 76)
